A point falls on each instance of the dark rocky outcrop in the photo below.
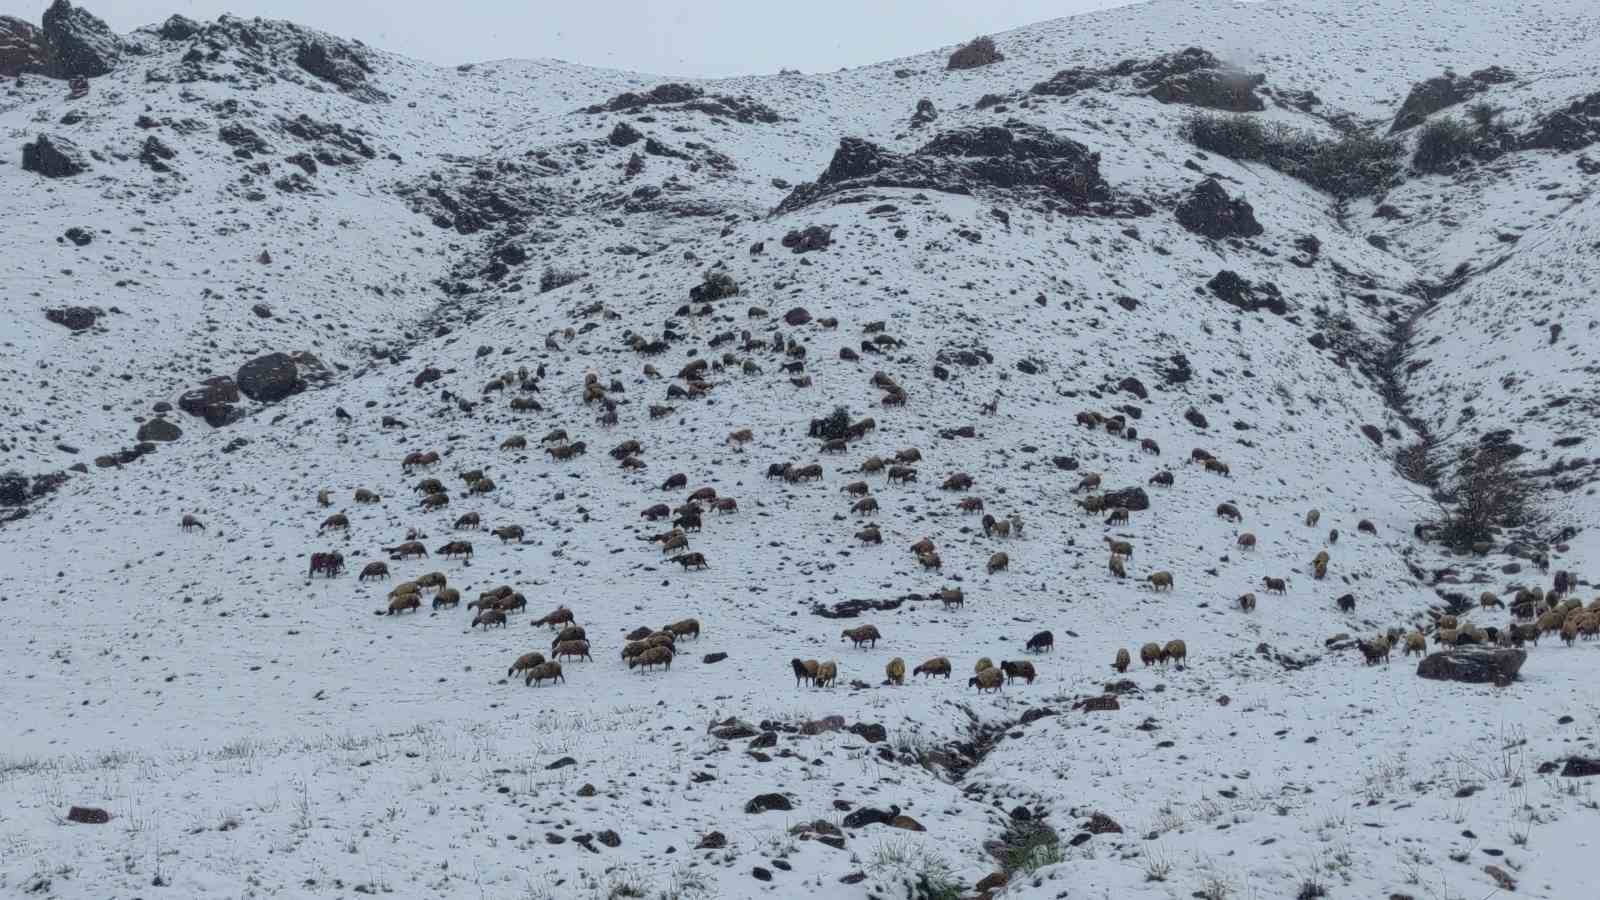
(925, 113)
(1474, 665)
(337, 63)
(1249, 296)
(674, 96)
(270, 378)
(1229, 90)
(212, 401)
(1067, 82)
(1208, 210)
(767, 802)
(178, 28)
(1447, 90)
(812, 237)
(978, 52)
(76, 318)
(1572, 128)
(159, 430)
(79, 45)
(623, 135)
(88, 815)
(54, 157)
(22, 48)
(1014, 157)
(1133, 499)
(156, 155)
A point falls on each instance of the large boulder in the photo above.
(213, 401)
(79, 44)
(159, 430)
(270, 378)
(1208, 210)
(54, 157)
(1447, 90)
(1572, 128)
(1229, 90)
(76, 318)
(334, 63)
(179, 28)
(1473, 665)
(1133, 499)
(1249, 296)
(980, 51)
(22, 49)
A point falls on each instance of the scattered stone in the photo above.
(1208, 210)
(713, 658)
(760, 874)
(81, 237)
(1473, 665)
(768, 802)
(1580, 767)
(270, 378)
(716, 840)
(562, 763)
(88, 815)
(54, 157)
(1133, 499)
(609, 838)
(76, 318)
(1106, 703)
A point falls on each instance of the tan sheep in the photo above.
(998, 562)
(1174, 651)
(982, 663)
(827, 674)
(578, 649)
(374, 570)
(1150, 654)
(1123, 660)
(988, 680)
(1120, 548)
(1416, 643)
(1160, 581)
(337, 522)
(930, 561)
(538, 675)
(404, 602)
(939, 665)
(1117, 568)
(804, 670)
(1247, 602)
(488, 617)
(447, 597)
(684, 628)
(895, 671)
(1375, 650)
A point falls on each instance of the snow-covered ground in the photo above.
(253, 732)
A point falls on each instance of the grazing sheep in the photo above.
(659, 511)
(337, 522)
(813, 471)
(1416, 643)
(865, 634)
(406, 550)
(1122, 661)
(1164, 479)
(1229, 511)
(1276, 585)
(705, 493)
(405, 602)
(908, 455)
(865, 506)
(982, 664)
(688, 521)
(951, 597)
(936, 666)
(1019, 669)
(654, 656)
(988, 680)
(1120, 548)
(1333, 536)
(488, 617)
(447, 597)
(742, 436)
(692, 561)
(1015, 522)
(998, 561)
(405, 587)
(856, 489)
(1365, 526)
(1042, 642)
(957, 482)
(804, 670)
(1088, 482)
(1147, 445)
(1247, 541)
(923, 546)
(1160, 581)
(996, 527)
(930, 561)
(434, 501)
(1313, 517)
(1346, 603)
(472, 476)
(561, 616)
(684, 627)
(569, 633)
(1319, 570)
(676, 481)
(432, 580)
(470, 520)
(827, 674)
(1488, 600)
(1117, 568)
(1174, 651)
(515, 442)
(870, 535)
(902, 474)
(895, 671)
(1219, 467)
(324, 498)
(1150, 654)
(456, 548)
(525, 662)
(190, 523)
(365, 496)
(508, 533)
(1247, 602)
(1375, 650)
(1321, 558)
(375, 570)
(1119, 516)
(538, 675)
(577, 648)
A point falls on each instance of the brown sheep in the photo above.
(1119, 516)
(406, 550)
(675, 541)
(1247, 602)
(988, 680)
(1375, 650)
(1147, 445)
(190, 523)
(405, 602)
(651, 656)
(579, 649)
(434, 501)
(1160, 581)
(705, 493)
(804, 670)
(324, 498)
(864, 634)
(1122, 661)
(1247, 541)
(1312, 517)
(659, 511)
(957, 482)
(993, 527)
(971, 505)
(374, 570)
(742, 436)
(1276, 585)
(456, 548)
(1319, 570)
(902, 474)
(936, 666)
(725, 505)
(365, 496)
(684, 627)
(870, 535)
(1094, 503)
(895, 671)
(488, 617)
(930, 561)
(827, 674)
(515, 442)
(951, 597)
(1120, 548)
(802, 473)
(872, 466)
(1088, 482)
(1320, 559)
(1117, 568)
(1019, 669)
(508, 533)
(856, 489)
(569, 633)
(1229, 511)
(865, 506)
(692, 561)
(525, 662)
(1416, 643)
(561, 616)
(447, 597)
(538, 675)
(1174, 651)
(998, 562)
(405, 587)
(1150, 654)
(659, 412)
(923, 546)
(470, 520)
(675, 481)
(1219, 467)
(908, 455)
(337, 522)
(431, 580)
(1163, 478)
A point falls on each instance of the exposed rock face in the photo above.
(336, 63)
(22, 48)
(674, 96)
(1248, 296)
(1015, 156)
(156, 154)
(79, 45)
(1573, 128)
(925, 113)
(1474, 665)
(159, 430)
(179, 28)
(88, 815)
(1133, 499)
(1447, 90)
(1209, 211)
(54, 157)
(76, 318)
(812, 237)
(981, 51)
(1230, 90)
(270, 378)
(213, 401)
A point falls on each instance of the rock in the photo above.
(81, 237)
(1430, 96)
(733, 729)
(159, 430)
(760, 874)
(1064, 463)
(1230, 90)
(213, 401)
(924, 114)
(715, 840)
(336, 63)
(1249, 296)
(178, 28)
(1208, 210)
(813, 237)
(1037, 713)
(623, 135)
(866, 815)
(588, 790)
(906, 823)
(980, 51)
(156, 155)
(79, 45)
(994, 881)
(426, 376)
(561, 763)
(767, 739)
(714, 286)
(54, 157)
(1373, 434)
(270, 378)
(262, 311)
(1473, 665)
(826, 723)
(1134, 386)
(22, 48)
(768, 802)
(88, 815)
(76, 318)
(1106, 703)
(609, 838)
(797, 317)
(713, 658)
(1505, 881)
(872, 733)
(1565, 130)
(1580, 767)
(1133, 499)
(1067, 82)
(1100, 823)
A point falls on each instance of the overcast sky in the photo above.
(701, 38)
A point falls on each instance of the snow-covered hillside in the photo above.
(255, 264)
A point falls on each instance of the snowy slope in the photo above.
(253, 731)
